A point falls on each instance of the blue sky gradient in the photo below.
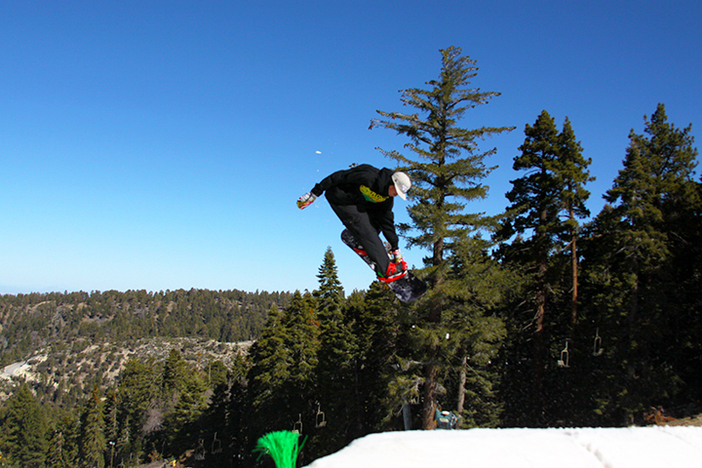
(162, 144)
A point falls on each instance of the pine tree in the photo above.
(337, 358)
(184, 394)
(449, 167)
(573, 175)
(139, 385)
(223, 423)
(535, 207)
(23, 436)
(174, 373)
(330, 294)
(446, 172)
(302, 339)
(92, 439)
(190, 402)
(639, 243)
(283, 364)
(377, 327)
(112, 425)
(62, 446)
(479, 286)
(545, 203)
(271, 362)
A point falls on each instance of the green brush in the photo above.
(282, 446)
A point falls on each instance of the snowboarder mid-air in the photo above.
(362, 197)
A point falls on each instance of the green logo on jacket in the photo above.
(371, 196)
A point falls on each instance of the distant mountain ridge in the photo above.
(30, 322)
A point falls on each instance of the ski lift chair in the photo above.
(200, 451)
(297, 427)
(216, 444)
(320, 420)
(565, 357)
(597, 348)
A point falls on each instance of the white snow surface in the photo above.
(635, 447)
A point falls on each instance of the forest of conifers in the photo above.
(547, 315)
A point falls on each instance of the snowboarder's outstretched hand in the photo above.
(399, 261)
(306, 200)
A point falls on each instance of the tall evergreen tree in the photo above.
(190, 402)
(377, 326)
(300, 392)
(545, 205)
(223, 422)
(23, 436)
(449, 167)
(92, 437)
(139, 385)
(62, 449)
(174, 372)
(447, 171)
(336, 363)
(573, 175)
(535, 208)
(112, 425)
(283, 365)
(330, 294)
(271, 361)
(640, 242)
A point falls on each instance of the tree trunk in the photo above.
(407, 416)
(462, 386)
(539, 344)
(429, 406)
(574, 275)
(631, 358)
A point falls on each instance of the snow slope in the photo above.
(635, 447)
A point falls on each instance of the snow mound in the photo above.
(635, 447)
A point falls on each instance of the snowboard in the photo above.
(407, 289)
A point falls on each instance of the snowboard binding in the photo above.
(404, 285)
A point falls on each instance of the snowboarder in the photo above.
(362, 197)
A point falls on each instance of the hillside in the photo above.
(61, 342)
(59, 368)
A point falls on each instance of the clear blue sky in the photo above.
(162, 144)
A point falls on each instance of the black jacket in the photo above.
(366, 187)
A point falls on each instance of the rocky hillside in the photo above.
(67, 343)
(62, 368)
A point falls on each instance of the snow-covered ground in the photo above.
(635, 447)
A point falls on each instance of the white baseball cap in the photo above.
(402, 184)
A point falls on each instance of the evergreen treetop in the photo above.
(449, 166)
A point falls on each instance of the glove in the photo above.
(401, 264)
(306, 200)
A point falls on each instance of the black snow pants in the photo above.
(364, 230)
